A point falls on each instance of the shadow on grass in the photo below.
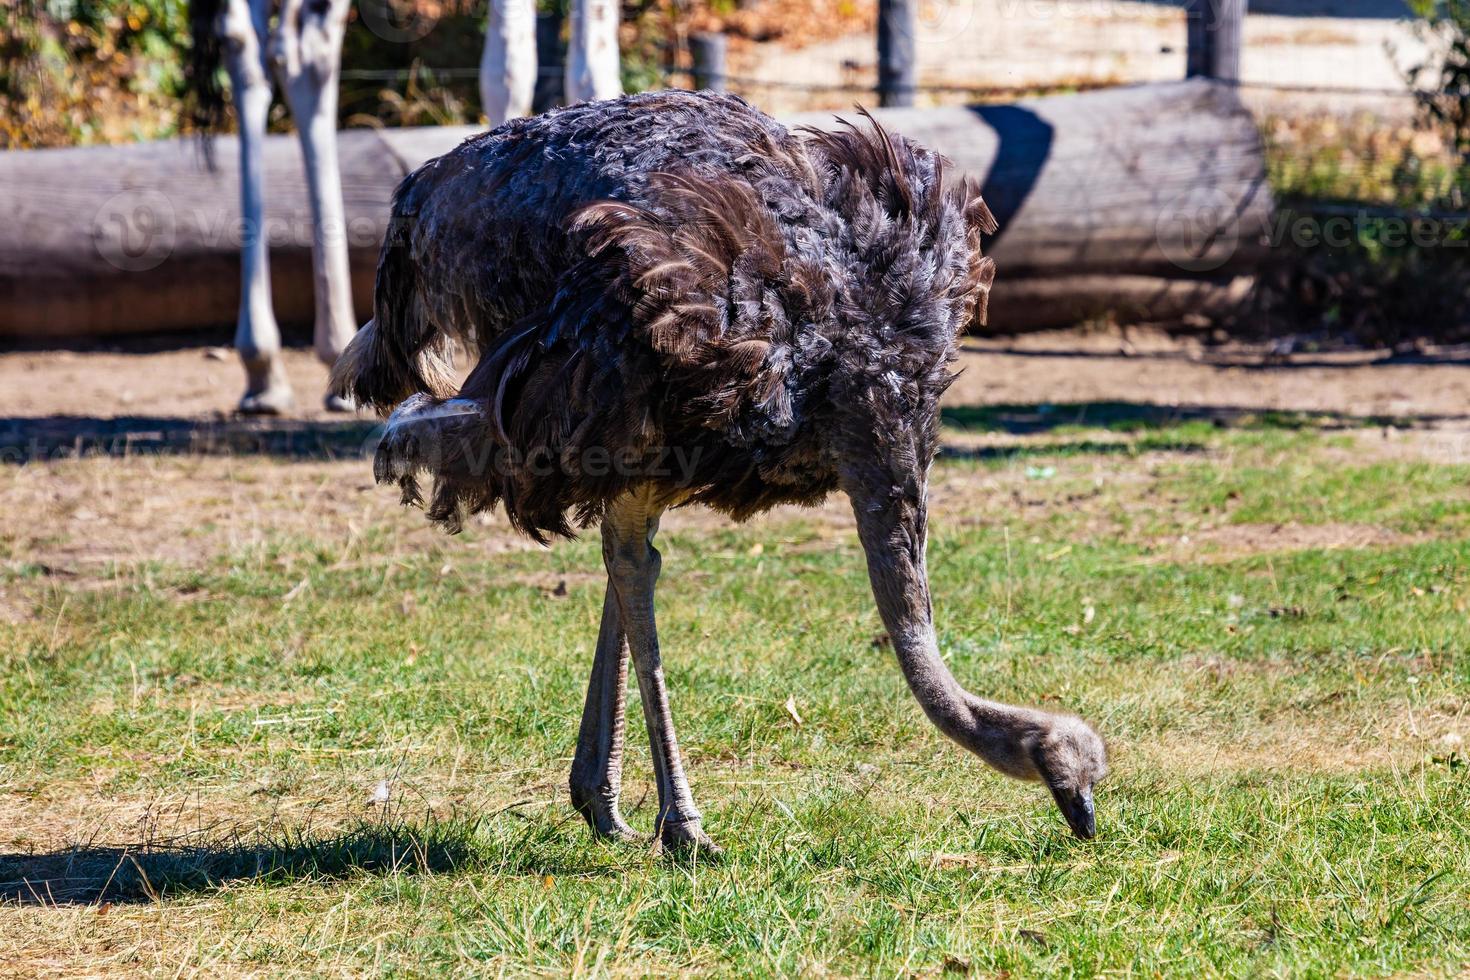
(30, 440)
(84, 874)
(1457, 355)
(1081, 447)
(503, 841)
(1026, 419)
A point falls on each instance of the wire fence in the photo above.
(1336, 105)
(675, 73)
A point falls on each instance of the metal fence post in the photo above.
(1215, 29)
(898, 72)
(551, 61)
(707, 53)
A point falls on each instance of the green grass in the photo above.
(1283, 802)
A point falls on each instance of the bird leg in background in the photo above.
(597, 767)
(508, 64)
(593, 68)
(307, 52)
(628, 529)
(244, 26)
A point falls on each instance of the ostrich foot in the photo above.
(275, 400)
(613, 828)
(619, 833)
(336, 403)
(685, 838)
(602, 815)
(267, 392)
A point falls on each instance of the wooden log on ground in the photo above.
(145, 238)
(1145, 202)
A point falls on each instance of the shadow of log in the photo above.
(1025, 146)
(1083, 447)
(43, 439)
(1028, 419)
(1248, 360)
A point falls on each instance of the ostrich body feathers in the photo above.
(666, 287)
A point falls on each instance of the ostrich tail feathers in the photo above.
(353, 368)
(375, 371)
(400, 351)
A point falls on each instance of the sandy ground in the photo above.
(1152, 369)
(169, 476)
(1142, 367)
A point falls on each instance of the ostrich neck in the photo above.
(893, 537)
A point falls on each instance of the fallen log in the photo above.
(1144, 202)
(146, 237)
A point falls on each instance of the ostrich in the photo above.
(304, 48)
(676, 301)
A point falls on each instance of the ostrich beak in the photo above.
(1076, 807)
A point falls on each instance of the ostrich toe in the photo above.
(267, 392)
(603, 816)
(275, 400)
(686, 838)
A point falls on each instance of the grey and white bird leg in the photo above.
(508, 64)
(307, 53)
(628, 529)
(244, 25)
(597, 767)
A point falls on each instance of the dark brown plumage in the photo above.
(668, 271)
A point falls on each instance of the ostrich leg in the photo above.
(245, 26)
(632, 562)
(508, 64)
(307, 52)
(597, 768)
(593, 70)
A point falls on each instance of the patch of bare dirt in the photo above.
(1149, 368)
(74, 515)
(1136, 366)
(1445, 443)
(1227, 542)
(1399, 736)
(190, 383)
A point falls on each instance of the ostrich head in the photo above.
(1070, 758)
